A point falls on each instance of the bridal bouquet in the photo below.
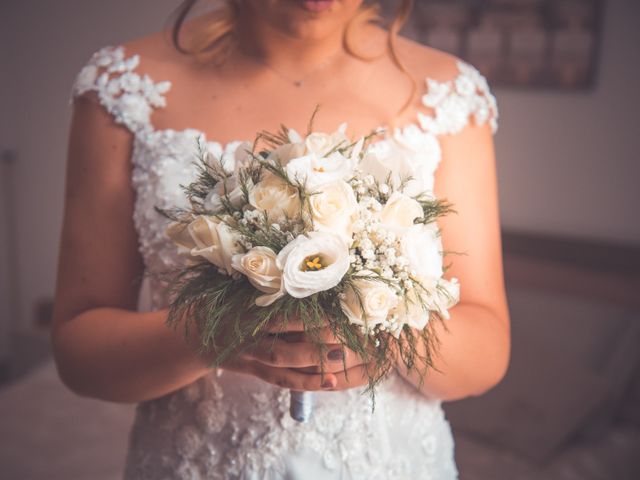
(319, 228)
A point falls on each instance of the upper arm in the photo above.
(99, 262)
(467, 178)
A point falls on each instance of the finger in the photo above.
(276, 352)
(353, 377)
(290, 323)
(279, 352)
(280, 324)
(334, 362)
(324, 335)
(293, 380)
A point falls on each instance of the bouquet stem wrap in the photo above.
(301, 405)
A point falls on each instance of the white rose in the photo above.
(369, 302)
(259, 266)
(214, 241)
(276, 197)
(421, 245)
(321, 144)
(315, 171)
(400, 211)
(313, 263)
(332, 209)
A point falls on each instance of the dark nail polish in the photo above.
(327, 384)
(335, 355)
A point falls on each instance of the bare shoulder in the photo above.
(423, 61)
(158, 56)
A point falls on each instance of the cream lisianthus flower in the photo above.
(421, 245)
(259, 266)
(214, 241)
(332, 209)
(369, 302)
(313, 263)
(276, 197)
(400, 211)
(314, 171)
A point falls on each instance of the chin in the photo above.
(312, 19)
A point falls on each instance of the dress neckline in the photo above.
(131, 98)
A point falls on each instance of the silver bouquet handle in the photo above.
(301, 405)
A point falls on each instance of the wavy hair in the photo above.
(211, 42)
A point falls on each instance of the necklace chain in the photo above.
(299, 82)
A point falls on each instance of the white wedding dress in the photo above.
(235, 426)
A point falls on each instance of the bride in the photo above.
(246, 66)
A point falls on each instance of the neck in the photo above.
(291, 52)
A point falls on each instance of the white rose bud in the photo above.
(333, 208)
(275, 196)
(259, 266)
(369, 302)
(214, 241)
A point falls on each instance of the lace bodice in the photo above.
(232, 425)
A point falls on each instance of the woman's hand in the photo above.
(290, 360)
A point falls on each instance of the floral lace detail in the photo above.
(456, 101)
(128, 96)
(235, 426)
(200, 432)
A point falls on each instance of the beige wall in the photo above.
(49, 42)
(567, 162)
(7, 134)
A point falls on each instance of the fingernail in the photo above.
(327, 383)
(335, 354)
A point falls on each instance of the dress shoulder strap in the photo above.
(127, 95)
(457, 102)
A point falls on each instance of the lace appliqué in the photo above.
(456, 101)
(199, 432)
(126, 95)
